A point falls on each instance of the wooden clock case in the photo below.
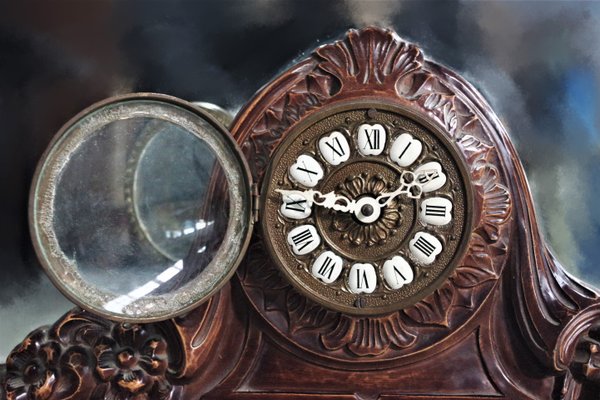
(508, 323)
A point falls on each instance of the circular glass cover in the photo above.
(141, 208)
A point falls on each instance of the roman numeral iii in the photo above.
(436, 211)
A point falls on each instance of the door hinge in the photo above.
(255, 202)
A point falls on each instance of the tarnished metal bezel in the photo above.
(239, 229)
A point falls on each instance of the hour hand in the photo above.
(329, 200)
(411, 186)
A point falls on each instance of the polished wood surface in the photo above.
(508, 323)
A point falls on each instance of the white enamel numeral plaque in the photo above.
(371, 139)
(436, 211)
(397, 272)
(334, 148)
(405, 150)
(425, 247)
(362, 278)
(306, 171)
(437, 180)
(327, 267)
(295, 206)
(304, 239)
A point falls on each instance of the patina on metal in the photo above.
(193, 287)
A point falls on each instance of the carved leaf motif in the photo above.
(433, 101)
(496, 200)
(260, 272)
(85, 356)
(320, 84)
(469, 125)
(133, 361)
(434, 309)
(414, 83)
(369, 57)
(368, 336)
(467, 277)
(76, 368)
(81, 327)
(366, 57)
(340, 336)
(442, 106)
(475, 150)
(312, 87)
(478, 266)
(464, 298)
(32, 368)
(304, 314)
(449, 117)
(361, 336)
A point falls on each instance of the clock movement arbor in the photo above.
(399, 257)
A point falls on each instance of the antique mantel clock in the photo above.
(363, 230)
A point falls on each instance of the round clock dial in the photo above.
(365, 208)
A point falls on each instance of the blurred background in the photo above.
(537, 63)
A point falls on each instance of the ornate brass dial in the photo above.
(365, 208)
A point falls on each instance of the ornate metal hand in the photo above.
(411, 186)
(330, 200)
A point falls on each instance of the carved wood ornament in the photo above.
(508, 322)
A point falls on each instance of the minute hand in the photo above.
(328, 200)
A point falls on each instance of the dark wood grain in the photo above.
(509, 323)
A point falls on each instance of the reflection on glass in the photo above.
(141, 208)
(171, 174)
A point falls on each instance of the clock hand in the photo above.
(411, 185)
(328, 200)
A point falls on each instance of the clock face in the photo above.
(365, 209)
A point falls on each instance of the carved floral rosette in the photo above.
(375, 63)
(84, 356)
(380, 230)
